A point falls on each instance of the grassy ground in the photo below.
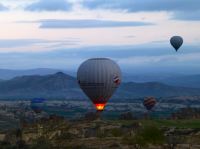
(193, 124)
(108, 134)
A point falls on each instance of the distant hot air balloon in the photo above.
(37, 105)
(176, 42)
(149, 102)
(99, 78)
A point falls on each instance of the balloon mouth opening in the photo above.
(100, 106)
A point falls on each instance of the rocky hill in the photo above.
(63, 86)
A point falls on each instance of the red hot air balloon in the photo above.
(99, 78)
(149, 102)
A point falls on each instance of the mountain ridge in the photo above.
(191, 81)
(64, 86)
(7, 74)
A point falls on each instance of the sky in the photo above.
(135, 33)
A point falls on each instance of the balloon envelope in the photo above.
(99, 78)
(149, 102)
(176, 42)
(37, 105)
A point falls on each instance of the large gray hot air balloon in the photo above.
(99, 78)
(176, 42)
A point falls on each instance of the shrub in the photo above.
(152, 135)
(41, 143)
(145, 136)
(116, 132)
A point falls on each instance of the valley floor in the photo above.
(103, 134)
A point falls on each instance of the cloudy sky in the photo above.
(135, 33)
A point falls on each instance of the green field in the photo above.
(193, 124)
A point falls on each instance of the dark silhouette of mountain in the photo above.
(192, 81)
(6, 74)
(63, 86)
(146, 77)
(155, 89)
(185, 81)
(58, 85)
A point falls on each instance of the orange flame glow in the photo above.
(100, 106)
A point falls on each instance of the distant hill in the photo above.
(7, 74)
(185, 81)
(155, 89)
(152, 77)
(58, 85)
(63, 86)
(192, 81)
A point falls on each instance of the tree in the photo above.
(149, 134)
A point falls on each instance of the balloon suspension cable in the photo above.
(98, 114)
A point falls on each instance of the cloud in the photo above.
(89, 23)
(49, 5)
(130, 58)
(2, 7)
(162, 60)
(190, 16)
(26, 60)
(10, 43)
(14, 43)
(182, 9)
(178, 63)
(144, 5)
